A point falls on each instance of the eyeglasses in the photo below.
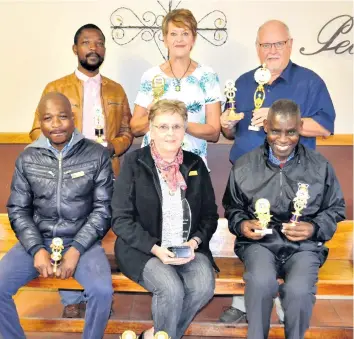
(278, 45)
(165, 128)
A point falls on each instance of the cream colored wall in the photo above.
(36, 40)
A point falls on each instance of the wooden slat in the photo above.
(211, 329)
(333, 140)
(335, 277)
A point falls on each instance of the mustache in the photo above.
(92, 54)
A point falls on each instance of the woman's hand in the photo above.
(167, 257)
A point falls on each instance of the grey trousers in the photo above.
(179, 292)
(300, 274)
(93, 272)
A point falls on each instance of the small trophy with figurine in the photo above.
(300, 202)
(99, 126)
(262, 77)
(262, 212)
(230, 93)
(57, 247)
(158, 87)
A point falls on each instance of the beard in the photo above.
(89, 66)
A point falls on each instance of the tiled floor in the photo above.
(36, 303)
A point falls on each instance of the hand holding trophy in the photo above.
(158, 87)
(262, 77)
(262, 208)
(57, 247)
(300, 202)
(230, 93)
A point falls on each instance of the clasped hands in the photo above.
(168, 258)
(298, 231)
(67, 266)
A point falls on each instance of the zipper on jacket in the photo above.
(281, 181)
(60, 179)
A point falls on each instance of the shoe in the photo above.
(232, 315)
(141, 336)
(71, 311)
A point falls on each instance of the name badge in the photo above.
(77, 174)
(193, 173)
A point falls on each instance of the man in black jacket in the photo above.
(279, 171)
(61, 187)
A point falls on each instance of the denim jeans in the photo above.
(179, 292)
(92, 272)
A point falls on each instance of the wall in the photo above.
(37, 37)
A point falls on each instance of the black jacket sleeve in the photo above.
(332, 208)
(99, 220)
(235, 205)
(20, 210)
(124, 223)
(208, 214)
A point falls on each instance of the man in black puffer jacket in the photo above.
(62, 187)
(279, 171)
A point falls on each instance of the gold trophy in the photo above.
(158, 87)
(262, 77)
(230, 93)
(161, 335)
(57, 247)
(300, 202)
(262, 208)
(128, 335)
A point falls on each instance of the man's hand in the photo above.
(248, 227)
(167, 257)
(226, 123)
(42, 263)
(68, 264)
(259, 115)
(298, 232)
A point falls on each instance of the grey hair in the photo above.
(278, 21)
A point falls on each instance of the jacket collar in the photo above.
(41, 142)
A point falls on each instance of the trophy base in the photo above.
(253, 128)
(264, 232)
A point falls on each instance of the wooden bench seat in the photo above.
(335, 278)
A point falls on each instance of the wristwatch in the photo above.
(197, 240)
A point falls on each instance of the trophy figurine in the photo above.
(128, 335)
(262, 207)
(300, 202)
(230, 92)
(262, 77)
(99, 124)
(158, 87)
(57, 247)
(161, 335)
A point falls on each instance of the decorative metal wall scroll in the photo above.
(127, 26)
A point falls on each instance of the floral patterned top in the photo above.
(200, 88)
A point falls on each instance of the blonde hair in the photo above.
(170, 107)
(181, 18)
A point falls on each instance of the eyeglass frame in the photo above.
(173, 127)
(273, 44)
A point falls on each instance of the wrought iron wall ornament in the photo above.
(127, 26)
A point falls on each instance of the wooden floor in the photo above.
(34, 303)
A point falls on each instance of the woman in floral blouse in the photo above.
(185, 80)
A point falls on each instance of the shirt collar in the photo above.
(84, 77)
(287, 72)
(64, 150)
(274, 160)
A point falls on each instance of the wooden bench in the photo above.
(335, 279)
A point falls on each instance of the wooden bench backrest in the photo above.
(221, 245)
